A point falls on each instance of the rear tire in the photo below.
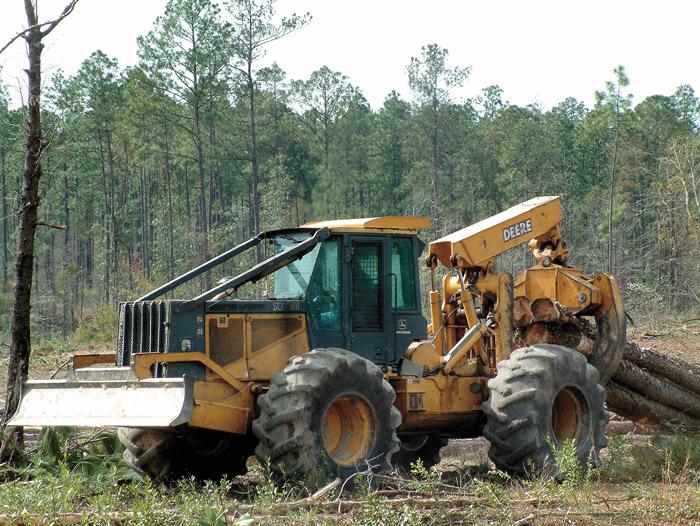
(329, 414)
(425, 448)
(543, 396)
(165, 455)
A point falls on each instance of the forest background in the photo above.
(154, 168)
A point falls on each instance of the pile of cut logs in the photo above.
(654, 389)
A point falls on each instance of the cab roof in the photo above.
(406, 224)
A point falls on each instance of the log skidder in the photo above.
(335, 371)
(542, 397)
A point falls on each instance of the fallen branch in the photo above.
(51, 225)
(325, 490)
(342, 506)
(620, 428)
(409, 482)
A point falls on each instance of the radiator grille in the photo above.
(142, 329)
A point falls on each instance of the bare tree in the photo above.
(20, 347)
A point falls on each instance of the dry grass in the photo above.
(645, 481)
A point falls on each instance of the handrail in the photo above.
(262, 269)
(187, 276)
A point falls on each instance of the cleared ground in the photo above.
(646, 479)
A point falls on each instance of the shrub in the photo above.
(101, 327)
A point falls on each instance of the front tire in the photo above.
(330, 413)
(541, 397)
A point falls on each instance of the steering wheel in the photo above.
(324, 301)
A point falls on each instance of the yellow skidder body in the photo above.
(335, 369)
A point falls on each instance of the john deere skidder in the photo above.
(338, 371)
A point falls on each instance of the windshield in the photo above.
(315, 278)
(292, 281)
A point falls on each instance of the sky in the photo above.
(538, 51)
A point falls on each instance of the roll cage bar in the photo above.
(262, 269)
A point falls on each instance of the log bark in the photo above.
(643, 410)
(681, 373)
(544, 310)
(522, 314)
(537, 333)
(658, 389)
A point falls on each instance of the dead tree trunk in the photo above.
(20, 346)
(4, 222)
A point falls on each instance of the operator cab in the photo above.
(360, 287)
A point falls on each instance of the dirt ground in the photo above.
(680, 338)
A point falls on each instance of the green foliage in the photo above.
(492, 490)
(69, 474)
(570, 472)
(97, 456)
(101, 327)
(5, 308)
(156, 166)
(642, 298)
(206, 505)
(425, 479)
(675, 459)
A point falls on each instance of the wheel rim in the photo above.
(569, 415)
(347, 430)
(413, 442)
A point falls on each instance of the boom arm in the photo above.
(478, 245)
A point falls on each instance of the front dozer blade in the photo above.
(87, 400)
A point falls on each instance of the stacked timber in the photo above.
(654, 389)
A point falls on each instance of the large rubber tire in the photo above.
(329, 414)
(166, 455)
(425, 448)
(543, 396)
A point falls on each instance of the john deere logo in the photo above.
(517, 230)
(402, 325)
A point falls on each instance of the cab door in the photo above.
(369, 306)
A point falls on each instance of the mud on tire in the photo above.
(166, 455)
(423, 447)
(544, 395)
(329, 413)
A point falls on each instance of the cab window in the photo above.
(314, 278)
(403, 264)
(323, 296)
